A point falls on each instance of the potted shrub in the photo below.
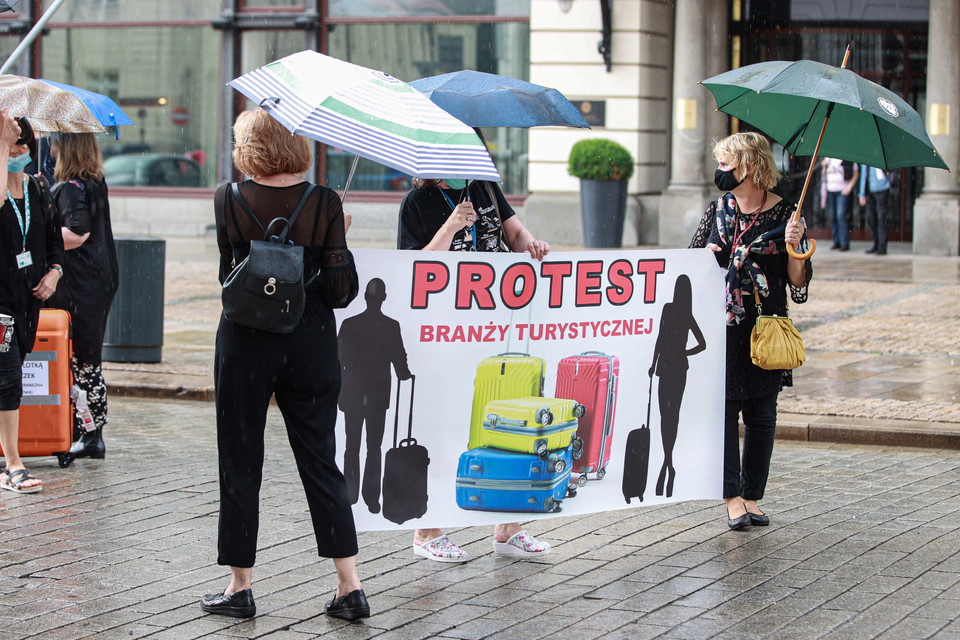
(604, 167)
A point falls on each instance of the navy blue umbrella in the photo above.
(107, 112)
(488, 100)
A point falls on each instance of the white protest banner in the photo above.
(632, 340)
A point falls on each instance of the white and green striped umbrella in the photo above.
(368, 113)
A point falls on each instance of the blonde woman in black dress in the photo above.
(748, 229)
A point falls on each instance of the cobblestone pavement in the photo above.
(863, 543)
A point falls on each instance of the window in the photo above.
(410, 51)
(106, 11)
(166, 79)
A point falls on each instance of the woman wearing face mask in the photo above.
(451, 215)
(31, 255)
(91, 277)
(748, 229)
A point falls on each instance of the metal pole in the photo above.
(27, 41)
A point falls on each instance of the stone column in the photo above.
(936, 213)
(718, 61)
(685, 198)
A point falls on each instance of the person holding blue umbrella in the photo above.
(456, 215)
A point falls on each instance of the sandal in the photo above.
(441, 550)
(521, 544)
(14, 481)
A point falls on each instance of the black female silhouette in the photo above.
(670, 364)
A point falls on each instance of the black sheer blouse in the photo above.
(744, 379)
(319, 229)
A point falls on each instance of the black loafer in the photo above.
(758, 519)
(739, 523)
(351, 606)
(236, 605)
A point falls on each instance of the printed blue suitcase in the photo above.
(495, 480)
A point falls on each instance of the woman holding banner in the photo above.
(452, 215)
(748, 229)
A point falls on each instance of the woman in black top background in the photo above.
(91, 275)
(300, 369)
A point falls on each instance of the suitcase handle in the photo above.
(593, 353)
(396, 413)
(514, 353)
(408, 442)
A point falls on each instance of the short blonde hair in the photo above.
(753, 148)
(78, 157)
(263, 147)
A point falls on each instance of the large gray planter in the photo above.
(603, 207)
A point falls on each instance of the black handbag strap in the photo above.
(504, 247)
(288, 221)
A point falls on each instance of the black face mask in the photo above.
(726, 181)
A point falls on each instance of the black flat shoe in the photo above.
(758, 519)
(739, 523)
(351, 606)
(89, 445)
(236, 605)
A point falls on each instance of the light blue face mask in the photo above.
(456, 183)
(18, 164)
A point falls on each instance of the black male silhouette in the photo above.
(370, 343)
(670, 365)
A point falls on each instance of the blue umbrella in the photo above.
(488, 100)
(108, 112)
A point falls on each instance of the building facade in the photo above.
(631, 65)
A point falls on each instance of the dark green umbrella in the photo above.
(790, 101)
(812, 108)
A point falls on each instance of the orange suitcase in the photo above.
(46, 420)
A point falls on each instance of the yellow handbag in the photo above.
(775, 343)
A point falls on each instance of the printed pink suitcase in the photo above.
(591, 379)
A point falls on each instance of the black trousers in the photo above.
(353, 421)
(877, 217)
(302, 371)
(749, 479)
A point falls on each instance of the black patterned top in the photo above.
(744, 379)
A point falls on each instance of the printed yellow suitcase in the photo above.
(503, 377)
(532, 425)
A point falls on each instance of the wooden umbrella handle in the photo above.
(796, 214)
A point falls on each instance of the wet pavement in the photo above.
(863, 543)
(864, 540)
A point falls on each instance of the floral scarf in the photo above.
(744, 275)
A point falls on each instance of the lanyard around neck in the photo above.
(736, 224)
(22, 220)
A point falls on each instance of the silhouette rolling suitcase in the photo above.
(532, 425)
(591, 379)
(46, 412)
(636, 457)
(503, 377)
(405, 471)
(495, 480)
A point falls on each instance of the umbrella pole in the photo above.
(803, 194)
(346, 187)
